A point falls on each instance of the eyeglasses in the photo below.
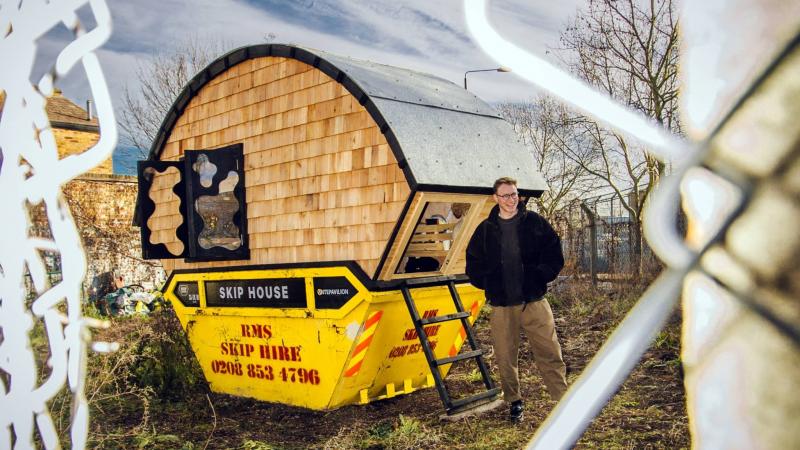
(508, 196)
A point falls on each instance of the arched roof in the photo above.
(444, 137)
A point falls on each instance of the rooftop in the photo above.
(63, 113)
(443, 136)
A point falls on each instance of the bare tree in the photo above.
(545, 126)
(160, 79)
(629, 49)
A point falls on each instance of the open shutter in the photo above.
(164, 232)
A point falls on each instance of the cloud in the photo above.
(423, 35)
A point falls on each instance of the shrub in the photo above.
(154, 363)
(165, 361)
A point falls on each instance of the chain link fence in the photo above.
(602, 240)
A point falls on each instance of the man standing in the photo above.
(512, 256)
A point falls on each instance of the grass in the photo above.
(405, 433)
(151, 394)
(249, 444)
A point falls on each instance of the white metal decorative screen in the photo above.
(31, 173)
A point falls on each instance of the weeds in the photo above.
(151, 440)
(405, 433)
(152, 392)
(166, 363)
(154, 363)
(410, 434)
(249, 444)
(666, 339)
(474, 376)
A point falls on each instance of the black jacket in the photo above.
(540, 250)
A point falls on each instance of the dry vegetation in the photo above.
(151, 395)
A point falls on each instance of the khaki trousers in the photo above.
(536, 320)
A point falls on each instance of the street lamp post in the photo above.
(498, 69)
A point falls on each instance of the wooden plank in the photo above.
(424, 246)
(478, 211)
(394, 254)
(369, 265)
(426, 253)
(454, 258)
(428, 237)
(434, 228)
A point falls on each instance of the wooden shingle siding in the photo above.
(321, 181)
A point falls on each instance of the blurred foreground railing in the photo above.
(738, 181)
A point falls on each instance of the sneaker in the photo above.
(516, 411)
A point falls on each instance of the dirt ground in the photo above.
(647, 412)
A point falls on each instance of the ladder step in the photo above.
(444, 318)
(460, 403)
(465, 404)
(461, 357)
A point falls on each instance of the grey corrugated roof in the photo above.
(405, 85)
(443, 136)
(468, 150)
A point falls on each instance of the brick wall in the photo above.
(74, 141)
(102, 207)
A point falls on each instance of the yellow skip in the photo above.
(314, 337)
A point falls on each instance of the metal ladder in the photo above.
(462, 404)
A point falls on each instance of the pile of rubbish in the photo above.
(129, 300)
(112, 298)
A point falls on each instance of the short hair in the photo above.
(504, 180)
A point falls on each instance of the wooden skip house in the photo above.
(296, 197)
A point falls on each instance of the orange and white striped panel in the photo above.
(367, 331)
(462, 333)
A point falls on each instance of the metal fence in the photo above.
(602, 240)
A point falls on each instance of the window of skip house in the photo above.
(209, 221)
(438, 227)
(218, 228)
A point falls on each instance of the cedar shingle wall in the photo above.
(321, 181)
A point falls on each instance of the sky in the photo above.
(424, 35)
